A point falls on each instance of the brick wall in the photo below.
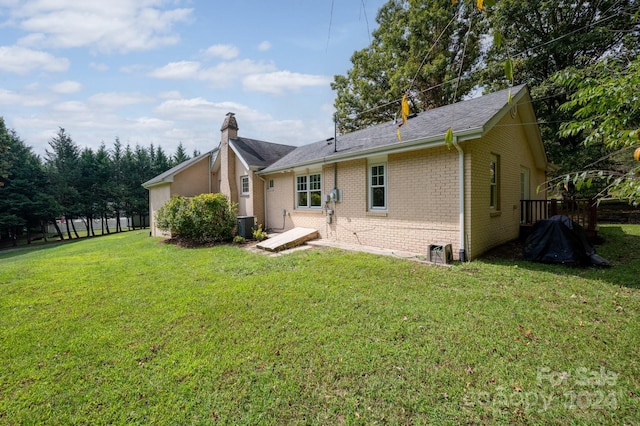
(422, 203)
(486, 228)
(422, 200)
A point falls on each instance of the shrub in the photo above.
(239, 239)
(259, 234)
(205, 218)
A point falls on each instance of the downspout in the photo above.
(210, 158)
(264, 199)
(461, 179)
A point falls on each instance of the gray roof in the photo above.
(465, 117)
(169, 174)
(260, 154)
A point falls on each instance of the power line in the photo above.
(599, 21)
(330, 23)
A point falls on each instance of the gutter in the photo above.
(461, 180)
(210, 167)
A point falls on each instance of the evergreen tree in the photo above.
(64, 172)
(88, 189)
(4, 152)
(180, 156)
(161, 161)
(104, 181)
(24, 201)
(118, 188)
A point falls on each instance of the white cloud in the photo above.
(134, 68)
(225, 73)
(8, 97)
(116, 100)
(116, 25)
(67, 87)
(220, 75)
(171, 94)
(71, 107)
(150, 124)
(194, 109)
(224, 51)
(12, 98)
(177, 70)
(264, 46)
(282, 81)
(98, 66)
(20, 60)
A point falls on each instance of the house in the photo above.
(370, 188)
(230, 169)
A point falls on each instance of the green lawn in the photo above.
(125, 329)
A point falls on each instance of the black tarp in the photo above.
(560, 240)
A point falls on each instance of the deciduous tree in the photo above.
(606, 111)
(421, 47)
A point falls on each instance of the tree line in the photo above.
(436, 52)
(72, 183)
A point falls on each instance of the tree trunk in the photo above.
(43, 228)
(118, 227)
(85, 221)
(68, 228)
(106, 221)
(59, 232)
(74, 229)
(28, 234)
(14, 236)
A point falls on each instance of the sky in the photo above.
(167, 71)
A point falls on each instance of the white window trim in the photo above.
(308, 191)
(370, 187)
(242, 180)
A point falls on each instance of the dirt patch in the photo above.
(187, 243)
(513, 250)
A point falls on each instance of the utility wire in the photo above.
(330, 24)
(366, 20)
(599, 21)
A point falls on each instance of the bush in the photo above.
(205, 218)
(259, 234)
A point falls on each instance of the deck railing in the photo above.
(582, 211)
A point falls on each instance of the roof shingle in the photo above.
(462, 116)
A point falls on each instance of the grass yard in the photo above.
(124, 329)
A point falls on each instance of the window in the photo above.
(377, 187)
(244, 183)
(494, 182)
(271, 184)
(309, 191)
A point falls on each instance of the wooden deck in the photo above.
(288, 239)
(582, 211)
